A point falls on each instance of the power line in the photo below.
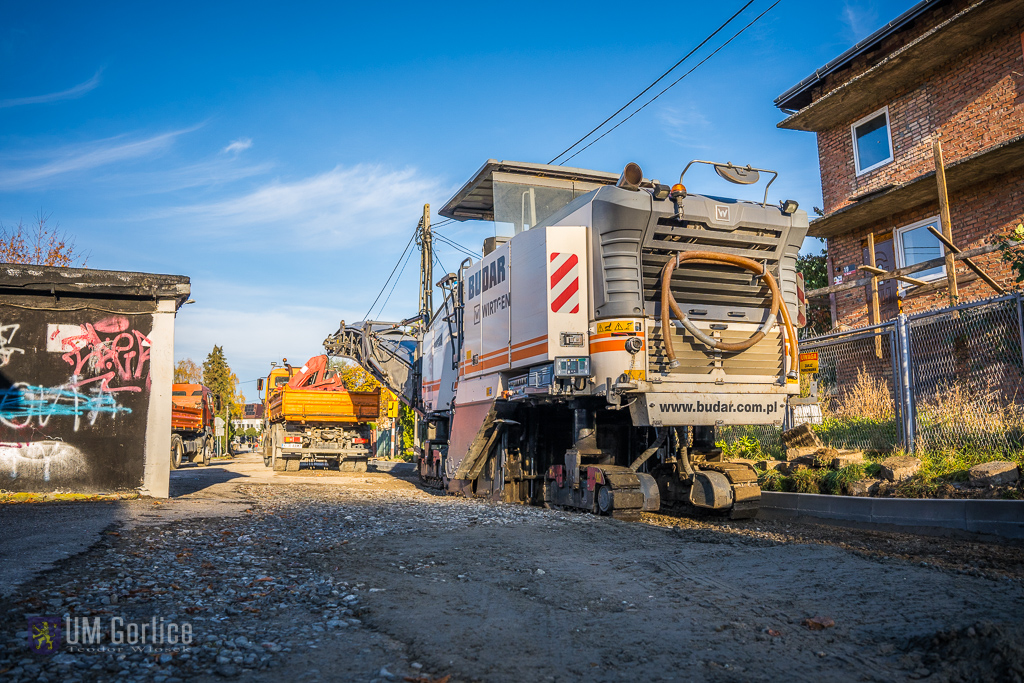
(656, 81)
(385, 286)
(456, 245)
(644, 106)
(385, 302)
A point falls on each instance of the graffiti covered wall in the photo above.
(76, 383)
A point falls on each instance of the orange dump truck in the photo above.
(311, 417)
(191, 424)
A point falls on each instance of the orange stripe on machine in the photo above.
(531, 351)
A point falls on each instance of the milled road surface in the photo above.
(366, 577)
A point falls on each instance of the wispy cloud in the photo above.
(687, 126)
(207, 174)
(239, 145)
(341, 205)
(69, 94)
(859, 20)
(85, 157)
(251, 338)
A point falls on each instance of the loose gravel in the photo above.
(365, 577)
(255, 588)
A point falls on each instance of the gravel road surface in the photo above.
(366, 577)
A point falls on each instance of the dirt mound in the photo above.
(980, 653)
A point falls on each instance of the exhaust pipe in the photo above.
(631, 177)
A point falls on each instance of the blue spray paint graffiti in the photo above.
(22, 403)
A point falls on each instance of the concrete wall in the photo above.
(85, 380)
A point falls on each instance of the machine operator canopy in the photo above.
(517, 196)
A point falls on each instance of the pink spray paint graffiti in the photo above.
(106, 358)
(118, 360)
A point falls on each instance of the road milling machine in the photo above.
(586, 360)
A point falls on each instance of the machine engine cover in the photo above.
(711, 490)
(652, 496)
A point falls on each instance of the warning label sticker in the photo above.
(809, 361)
(618, 326)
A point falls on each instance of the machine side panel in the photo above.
(471, 341)
(493, 307)
(429, 379)
(529, 335)
(445, 373)
(438, 374)
(620, 219)
(568, 289)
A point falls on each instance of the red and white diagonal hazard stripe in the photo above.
(565, 283)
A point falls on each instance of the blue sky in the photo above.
(279, 156)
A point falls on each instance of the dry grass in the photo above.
(958, 416)
(866, 399)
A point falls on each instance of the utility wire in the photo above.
(642, 107)
(456, 245)
(385, 286)
(395, 284)
(644, 91)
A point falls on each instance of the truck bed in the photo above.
(186, 419)
(306, 405)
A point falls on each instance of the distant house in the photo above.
(947, 68)
(252, 416)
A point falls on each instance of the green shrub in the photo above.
(835, 481)
(771, 480)
(806, 481)
(744, 447)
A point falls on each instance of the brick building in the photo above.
(947, 68)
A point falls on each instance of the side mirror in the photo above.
(259, 384)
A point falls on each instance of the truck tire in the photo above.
(177, 451)
(293, 464)
(203, 458)
(275, 439)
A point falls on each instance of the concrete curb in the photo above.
(1003, 518)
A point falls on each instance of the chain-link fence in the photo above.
(967, 365)
(950, 378)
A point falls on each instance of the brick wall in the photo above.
(975, 102)
(977, 213)
(908, 34)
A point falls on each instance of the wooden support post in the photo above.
(901, 278)
(967, 262)
(876, 315)
(947, 225)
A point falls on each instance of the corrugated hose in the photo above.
(669, 307)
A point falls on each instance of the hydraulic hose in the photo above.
(642, 458)
(669, 306)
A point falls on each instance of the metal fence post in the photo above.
(1020, 326)
(906, 392)
(897, 377)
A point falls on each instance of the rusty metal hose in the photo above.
(669, 306)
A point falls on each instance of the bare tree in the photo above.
(39, 244)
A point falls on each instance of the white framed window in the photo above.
(872, 141)
(915, 244)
